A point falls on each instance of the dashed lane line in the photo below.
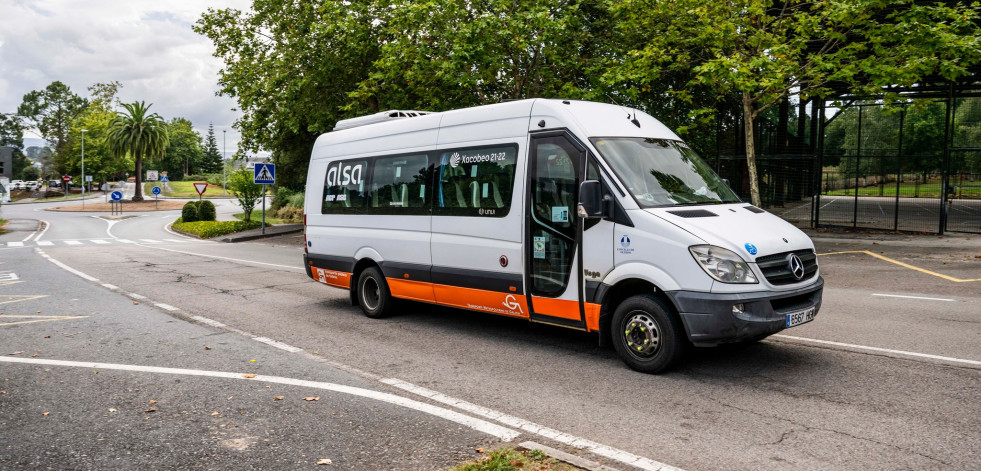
(34, 319)
(925, 298)
(502, 433)
(531, 427)
(886, 351)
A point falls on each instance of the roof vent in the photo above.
(382, 117)
(754, 209)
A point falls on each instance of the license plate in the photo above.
(801, 317)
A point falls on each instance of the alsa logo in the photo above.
(512, 304)
(341, 175)
(455, 160)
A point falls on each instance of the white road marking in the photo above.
(125, 241)
(212, 323)
(66, 267)
(279, 345)
(46, 227)
(150, 241)
(232, 259)
(99, 241)
(571, 440)
(502, 433)
(15, 244)
(112, 287)
(25, 239)
(176, 240)
(43, 243)
(166, 306)
(882, 350)
(136, 296)
(73, 242)
(910, 297)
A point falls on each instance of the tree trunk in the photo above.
(138, 194)
(754, 185)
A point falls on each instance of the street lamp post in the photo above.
(224, 148)
(83, 169)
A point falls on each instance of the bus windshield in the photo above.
(662, 172)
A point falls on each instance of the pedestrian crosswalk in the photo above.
(94, 242)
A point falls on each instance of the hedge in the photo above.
(210, 229)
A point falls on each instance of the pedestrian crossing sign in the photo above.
(265, 174)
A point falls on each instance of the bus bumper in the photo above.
(712, 319)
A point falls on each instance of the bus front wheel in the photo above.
(373, 294)
(646, 335)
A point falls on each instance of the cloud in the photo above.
(148, 46)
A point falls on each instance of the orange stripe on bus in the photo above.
(332, 278)
(414, 290)
(479, 300)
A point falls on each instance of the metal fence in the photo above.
(913, 166)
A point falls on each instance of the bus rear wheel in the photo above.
(645, 334)
(374, 298)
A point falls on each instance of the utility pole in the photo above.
(224, 148)
(83, 169)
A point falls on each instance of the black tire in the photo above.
(646, 335)
(373, 295)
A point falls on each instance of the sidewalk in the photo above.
(253, 234)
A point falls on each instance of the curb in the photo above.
(564, 457)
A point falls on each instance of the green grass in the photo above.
(2, 223)
(257, 216)
(211, 229)
(909, 190)
(509, 459)
(182, 189)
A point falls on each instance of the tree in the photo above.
(51, 111)
(296, 68)
(243, 186)
(764, 51)
(12, 135)
(100, 162)
(138, 133)
(212, 161)
(184, 154)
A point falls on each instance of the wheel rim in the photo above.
(642, 335)
(370, 293)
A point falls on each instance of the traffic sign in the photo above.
(151, 175)
(264, 174)
(66, 178)
(155, 190)
(164, 178)
(116, 195)
(200, 187)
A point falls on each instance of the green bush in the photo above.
(216, 179)
(210, 229)
(296, 201)
(195, 178)
(206, 211)
(281, 198)
(290, 213)
(189, 213)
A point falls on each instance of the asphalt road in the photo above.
(877, 381)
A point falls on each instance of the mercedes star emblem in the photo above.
(796, 266)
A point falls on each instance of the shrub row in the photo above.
(209, 229)
(198, 211)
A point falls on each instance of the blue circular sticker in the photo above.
(751, 249)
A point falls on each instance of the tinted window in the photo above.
(476, 181)
(344, 188)
(400, 184)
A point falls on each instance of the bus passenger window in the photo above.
(476, 181)
(399, 183)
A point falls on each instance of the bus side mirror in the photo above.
(591, 200)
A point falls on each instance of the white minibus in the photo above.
(577, 214)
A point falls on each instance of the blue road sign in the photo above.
(116, 195)
(163, 178)
(156, 190)
(265, 174)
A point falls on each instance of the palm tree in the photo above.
(140, 134)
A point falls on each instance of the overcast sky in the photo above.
(147, 45)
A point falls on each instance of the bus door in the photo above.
(553, 273)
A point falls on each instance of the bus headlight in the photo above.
(722, 265)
